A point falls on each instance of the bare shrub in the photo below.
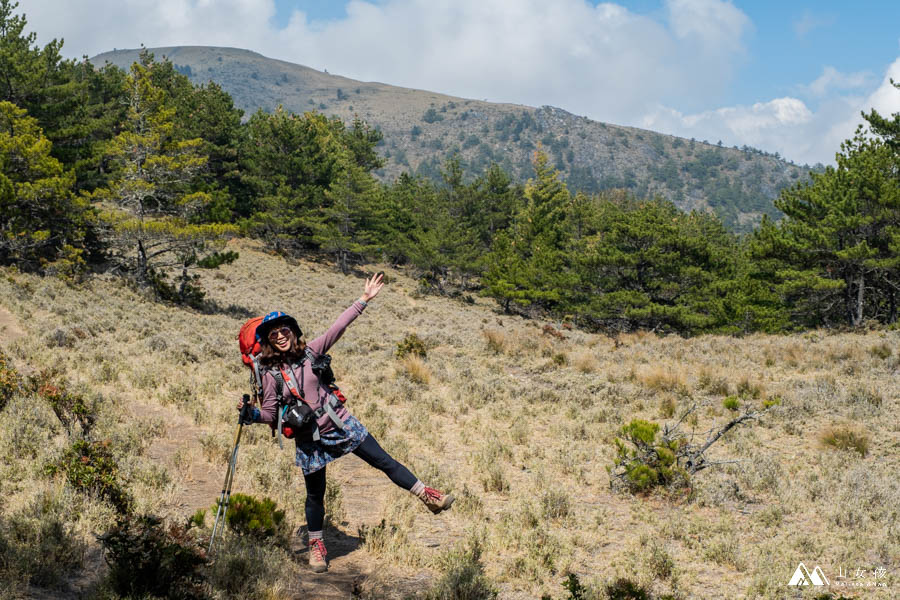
(463, 576)
(10, 381)
(334, 501)
(713, 384)
(551, 331)
(659, 561)
(865, 399)
(468, 503)
(493, 480)
(38, 546)
(747, 388)
(864, 497)
(243, 568)
(555, 505)
(667, 407)
(215, 448)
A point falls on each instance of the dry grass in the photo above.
(520, 436)
(846, 438)
(415, 369)
(585, 361)
(662, 379)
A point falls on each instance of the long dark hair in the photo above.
(270, 355)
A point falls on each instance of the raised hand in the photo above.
(373, 286)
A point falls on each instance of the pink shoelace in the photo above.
(432, 494)
(318, 546)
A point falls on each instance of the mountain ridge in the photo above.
(422, 128)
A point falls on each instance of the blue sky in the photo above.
(790, 77)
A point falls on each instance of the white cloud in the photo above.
(832, 79)
(716, 25)
(604, 61)
(784, 125)
(885, 99)
(810, 21)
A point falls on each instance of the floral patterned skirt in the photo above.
(312, 456)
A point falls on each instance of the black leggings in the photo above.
(370, 452)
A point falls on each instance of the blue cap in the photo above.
(274, 318)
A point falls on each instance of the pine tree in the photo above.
(505, 277)
(40, 218)
(888, 129)
(150, 190)
(530, 263)
(835, 255)
(90, 110)
(289, 163)
(77, 106)
(546, 202)
(396, 218)
(345, 226)
(26, 70)
(207, 112)
(648, 265)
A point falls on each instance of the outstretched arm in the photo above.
(325, 341)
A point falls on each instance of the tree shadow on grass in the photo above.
(236, 311)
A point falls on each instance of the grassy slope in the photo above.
(516, 436)
(609, 152)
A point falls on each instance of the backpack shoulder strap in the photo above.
(279, 385)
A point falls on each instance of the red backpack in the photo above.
(250, 355)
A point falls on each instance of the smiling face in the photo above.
(281, 338)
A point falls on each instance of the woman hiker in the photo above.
(336, 432)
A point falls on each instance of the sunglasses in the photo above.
(284, 330)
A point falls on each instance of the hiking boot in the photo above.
(436, 501)
(317, 555)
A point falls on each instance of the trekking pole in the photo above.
(229, 475)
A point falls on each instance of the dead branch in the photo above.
(689, 458)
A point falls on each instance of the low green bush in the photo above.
(411, 344)
(258, 519)
(90, 467)
(625, 589)
(146, 557)
(576, 589)
(642, 461)
(70, 408)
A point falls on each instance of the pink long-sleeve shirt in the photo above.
(314, 394)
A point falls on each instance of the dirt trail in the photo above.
(10, 330)
(349, 565)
